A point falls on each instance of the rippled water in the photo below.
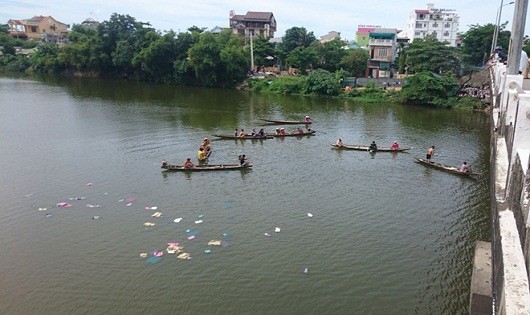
(386, 236)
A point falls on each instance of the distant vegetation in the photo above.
(125, 48)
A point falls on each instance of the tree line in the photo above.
(126, 48)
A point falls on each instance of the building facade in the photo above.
(439, 23)
(44, 28)
(382, 44)
(362, 36)
(256, 23)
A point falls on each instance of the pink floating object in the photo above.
(64, 205)
(191, 237)
(173, 244)
(89, 184)
(158, 253)
(266, 234)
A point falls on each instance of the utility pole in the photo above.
(516, 38)
(251, 52)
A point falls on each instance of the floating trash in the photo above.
(172, 249)
(177, 220)
(157, 214)
(200, 215)
(226, 234)
(64, 205)
(129, 204)
(121, 200)
(192, 232)
(207, 251)
(143, 255)
(158, 253)
(305, 270)
(43, 209)
(277, 230)
(310, 215)
(149, 224)
(266, 234)
(153, 259)
(89, 184)
(151, 208)
(96, 217)
(198, 221)
(214, 243)
(48, 215)
(191, 237)
(184, 256)
(77, 198)
(93, 206)
(173, 244)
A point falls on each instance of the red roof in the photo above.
(422, 11)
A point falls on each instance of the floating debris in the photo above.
(198, 221)
(89, 184)
(184, 256)
(149, 224)
(48, 215)
(191, 237)
(310, 215)
(157, 214)
(207, 251)
(158, 253)
(64, 205)
(214, 243)
(266, 234)
(77, 198)
(96, 217)
(177, 220)
(305, 270)
(277, 230)
(93, 206)
(43, 209)
(226, 234)
(151, 208)
(143, 255)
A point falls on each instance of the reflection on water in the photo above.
(386, 233)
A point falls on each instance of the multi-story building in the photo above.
(382, 49)
(256, 23)
(44, 28)
(362, 35)
(439, 23)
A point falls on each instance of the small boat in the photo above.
(286, 122)
(449, 169)
(367, 148)
(247, 137)
(294, 134)
(200, 168)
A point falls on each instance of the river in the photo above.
(358, 233)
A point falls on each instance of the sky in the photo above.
(319, 17)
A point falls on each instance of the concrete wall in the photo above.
(510, 155)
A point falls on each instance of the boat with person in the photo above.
(285, 122)
(247, 137)
(201, 168)
(446, 168)
(367, 148)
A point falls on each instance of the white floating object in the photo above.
(309, 214)
(177, 220)
(277, 230)
(198, 221)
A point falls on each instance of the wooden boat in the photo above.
(367, 148)
(449, 169)
(247, 137)
(294, 134)
(285, 122)
(201, 168)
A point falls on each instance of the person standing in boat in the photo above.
(188, 163)
(373, 147)
(339, 143)
(464, 168)
(430, 154)
(307, 119)
(394, 146)
(242, 133)
(261, 133)
(201, 154)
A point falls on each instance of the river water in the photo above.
(385, 235)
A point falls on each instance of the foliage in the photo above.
(280, 85)
(370, 93)
(14, 63)
(477, 41)
(156, 60)
(429, 55)
(330, 54)
(322, 82)
(263, 51)
(46, 59)
(295, 37)
(427, 88)
(302, 58)
(355, 62)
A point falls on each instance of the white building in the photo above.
(440, 23)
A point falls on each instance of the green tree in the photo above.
(427, 88)
(295, 37)
(302, 58)
(264, 54)
(82, 53)
(476, 43)
(156, 60)
(355, 62)
(330, 54)
(45, 59)
(322, 82)
(430, 55)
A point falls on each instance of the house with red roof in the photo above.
(39, 27)
(256, 23)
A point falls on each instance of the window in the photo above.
(382, 52)
(447, 25)
(434, 24)
(34, 29)
(446, 33)
(434, 34)
(421, 16)
(418, 25)
(417, 33)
